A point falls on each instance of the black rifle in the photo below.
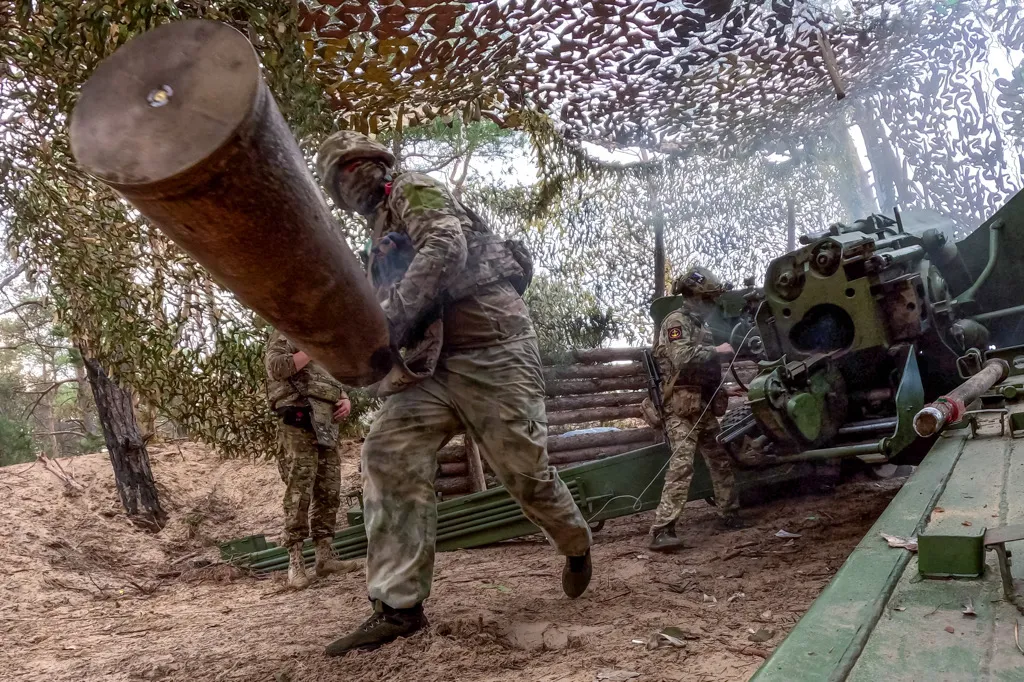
(654, 389)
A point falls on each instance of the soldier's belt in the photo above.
(298, 417)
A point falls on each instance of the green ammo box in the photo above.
(246, 545)
(945, 555)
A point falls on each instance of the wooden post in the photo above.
(477, 481)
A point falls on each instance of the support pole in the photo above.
(477, 481)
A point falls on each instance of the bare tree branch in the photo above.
(34, 301)
(13, 276)
(42, 394)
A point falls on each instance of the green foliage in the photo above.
(131, 298)
(16, 444)
(567, 319)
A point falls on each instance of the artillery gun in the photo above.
(864, 323)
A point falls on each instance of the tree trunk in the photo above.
(890, 184)
(861, 194)
(85, 407)
(790, 225)
(45, 415)
(658, 225)
(135, 484)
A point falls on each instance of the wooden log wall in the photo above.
(585, 388)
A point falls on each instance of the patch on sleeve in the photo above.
(424, 198)
(675, 333)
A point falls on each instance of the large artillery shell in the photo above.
(181, 123)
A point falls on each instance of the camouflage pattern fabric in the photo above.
(312, 477)
(495, 394)
(309, 387)
(455, 254)
(686, 441)
(690, 364)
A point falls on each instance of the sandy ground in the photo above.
(86, 596)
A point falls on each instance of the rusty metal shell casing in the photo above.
(180, 122)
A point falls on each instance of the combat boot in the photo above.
(297, 579)
(729, 522)
(665, 540)
(383, 626)
(326, 564)
(576, 575)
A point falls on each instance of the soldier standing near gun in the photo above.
(691, 372)
(308, 403)
(471, 363)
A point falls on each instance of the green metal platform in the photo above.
(879, 619)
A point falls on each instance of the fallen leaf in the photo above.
(786, 534)
(761, 635)
(949, 629)
(616, 675)
(899, 608)
(938, 510)
(660, 639)
(965, 523)
(969, 609)
(904, 543)
(679, 633)
(708, 599)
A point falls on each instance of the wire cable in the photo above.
(637, 504)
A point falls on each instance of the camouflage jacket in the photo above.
(455, 292)
(310, 387)
(689, 363)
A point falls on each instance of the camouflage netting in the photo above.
(700, 85)
(673, 76)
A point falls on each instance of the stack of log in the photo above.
(585, 388)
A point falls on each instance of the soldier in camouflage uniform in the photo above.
(470, 363)
(692, 374)
(309, 403)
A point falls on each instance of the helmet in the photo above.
(345, 146)
(698, 281)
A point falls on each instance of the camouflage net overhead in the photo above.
(671, 76)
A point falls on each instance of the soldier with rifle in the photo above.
(691, 371)
(308, 403)
(469, 362)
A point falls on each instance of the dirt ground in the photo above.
(86, 596)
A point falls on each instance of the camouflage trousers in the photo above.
(312, 477)
(687, 436)
(494, 394)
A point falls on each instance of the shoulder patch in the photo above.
(423, 197)
(675, 333)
